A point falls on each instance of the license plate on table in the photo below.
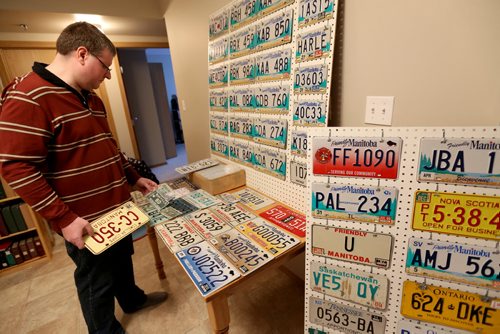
(357, 286)
(287, 219)
(407, 327)
(201, 199)
(467, 215)
(254, 200)
(270, 161)
(298, 173)
(196, 166)
(240, 251)
(311, 79)
(114, 226)
(368, 248)
(273, 99)
(448, 307)
(454, 262)
(310, 113)
(368, 204)
(312, 11)
(178, 207)
(270, 131)
(208, 223)
(178, 234)
(208, 269)
(273, 65)
(233, 213)
(276, 30)
(269, 237)
(161, 197)
(345, 318)
(357, 157)
(462, 161)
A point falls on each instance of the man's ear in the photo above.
(81, 54)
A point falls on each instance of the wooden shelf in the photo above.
(23, 265)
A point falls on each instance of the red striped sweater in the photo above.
(57, 152)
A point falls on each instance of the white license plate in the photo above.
(114, 226)
(368, 248)
(242, 99)
(357, 286)
(407, 327)
(178, 207)
(241, 127)
(218, 124)
(313, 44)
(298, 173)
(253, 199)
(219, 146)
(208, 270)
(201, 199)
(370, 204)
(195, 166)
(243, 12)
(461, 161)
(218, 76)
(242, 71)
(161, 197)
(312, 11)
(276, 30)
(454, 262)
(240, 251)
(270, 131)
(218, 100)
(242, 42)
(299, 143)
(273, 65)
(310, 113)
(270, 161)
(207, 223)
(268, 7)
(218, 50)
(178, 234)
(272, 99)
(241, 151)
(311, 79)
(219, 24)
(234, 213)
(345, 318)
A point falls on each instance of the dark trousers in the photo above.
(101, 278)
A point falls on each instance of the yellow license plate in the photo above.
(114, 226)
(467, 215)
(464, 310)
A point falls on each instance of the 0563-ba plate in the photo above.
(357, 286)
(454, 262)
(373, 157)
(459, 214)
(114, 226)
(233, 213)
(368, 204)
(287, 219)
(177, 234)
(407, 327)
(344, 318)
(240, 251)
(372, 249)
(208, 269)
(207, 223)
(448, 307)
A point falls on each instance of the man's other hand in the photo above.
(75, 231)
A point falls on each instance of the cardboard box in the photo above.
(219, 179)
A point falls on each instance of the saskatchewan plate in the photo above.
(208, 270)
(369, 204)
(407, 327)
(372, 249)
(287, 219)
(234, 214)
(454, 308)
(207, 223)
(357, 286)
(198, 165)
(467, 215)
(267, 236)
(454, 262)
(240, 251)
(462, 161)
(344, 318)
(177, 234)
(254, 200)
(114, 226)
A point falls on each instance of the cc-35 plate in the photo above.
(454, 262)
(208, 270)
(233, 213)
(467, 215)
(460, 309)
(370, 204)
(287, 219)
(208, 223)
(344, 318)
(372, 249)
(357, 286)
(177, 234)
(240, 251)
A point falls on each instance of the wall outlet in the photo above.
(379, 110)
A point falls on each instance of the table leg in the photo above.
(218, 313)
(153, 242)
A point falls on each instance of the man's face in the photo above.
(98, 69)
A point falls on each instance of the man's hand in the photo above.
(145, 185)
(75, 231)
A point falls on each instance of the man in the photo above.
(57, 153)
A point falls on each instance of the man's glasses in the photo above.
(103, 65)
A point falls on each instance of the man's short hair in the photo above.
(83, 34)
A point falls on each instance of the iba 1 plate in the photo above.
(454, 262)
(344, 318)
(208, 270)
(114, 226)
(371, 249)
(353, 285)
(467, 215)
(207, 223)
(287, 219)
(449, 307)
(368, 204)
(177, 234)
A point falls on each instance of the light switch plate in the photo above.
(379, 110)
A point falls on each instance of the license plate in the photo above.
(287, 219)
(242, 42)
(368, 248)
(241, 127)
(138, 198)
(219, 24)
(240, 251)
(243, 12)
(218, 100)
(454, 262)
(195, 166)
(270, 131)
(460, 309)
(311, 330)
(369, 204)
(242, 99)
(299, 143)
(357, 286)
(276, 30)
(267, 7)
(208, 270)
(161, 197)
(357, 157)
(178, 207)
(218, 50)
(267, 236)
(207, 223)
(242, 71)
(468, 215)
(201, 199)
(313, 44)
(270, 161)
(298, 173)
(242, 152)
(407, 327)
(218, 76)
(219, 146)
(228, 198)
(177, 234)
(310, 113)
(218, 124)
(312, 11)
(114, 226)
(272, 99)
(254, 200)
(181, 183)
(344, 318)
(311, 79)
(234, 213)
(461, 161)
(275, 65)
